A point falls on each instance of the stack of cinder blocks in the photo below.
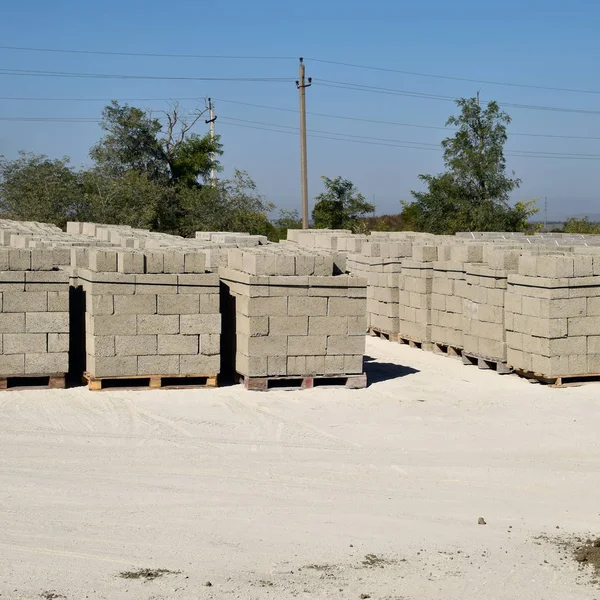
(294, 318)
(150, 313)
(553, 315)
(34, 315)
(415, 288)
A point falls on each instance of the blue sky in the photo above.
(550, 43)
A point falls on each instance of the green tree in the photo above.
(340, 206)
(35, 187)
(584, 225)
(473, 193)
(286, 219)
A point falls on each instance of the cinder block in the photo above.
(40, 322)
(58, 301)
(178, 344)
(583, 267)
(315, 365)
(158, 365)
(194, 262)
(130, 262)
(155, 262)
(103, 261)
(582, 326)
(42, 260)
(357, 325)
(353, 364)
(296, 365)
(108, 324)
(252, 326)
(209, 304)
(136, 345)
(210, 344)
(135, 304)
(100, 305)
(556, 266)
(58, 342)
(351, 307)
(153, 284)
(334, 365)
(306, 345)
(259, 264)
(262, 307)
(197, 324)
(97, 345)
(23, 343)
(174, 262)
(14, 302)
(272, 345)
(178, 304)
(13, 364)
(344, 344)
(112, 366)
(199, 365)
(424, 253)
(46, 281)
(255, 366)
(157, 324)
(19, 260)
(327, 325)
(288, 325)
(306, 306)
(41, 364)
(277, 366)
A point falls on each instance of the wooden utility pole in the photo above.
(213, 118)
(302, 85)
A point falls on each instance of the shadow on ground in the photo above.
(378, 371)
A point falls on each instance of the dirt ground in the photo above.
(375, 493)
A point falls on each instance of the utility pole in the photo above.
(302, 85)
(478, 104)
(545, 212)
(213, 118)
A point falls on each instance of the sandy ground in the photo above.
(304, 494)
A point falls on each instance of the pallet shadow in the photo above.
(378, 372)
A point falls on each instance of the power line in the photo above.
(147, 54)
(380, 90)
(28, 73)
(292, 110)
(453, 78)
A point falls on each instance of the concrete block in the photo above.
(327, 326)
(344, 344)
(179, 304)
(315, 365)
(58, 301)
(582, 326)
(424, 253)
(44, 363)
(112, 366)
(148, 283)
(158, 365)
(178, 344)
(197, 324)
(288, 325)
(210, 344)
(58, 342)
(39, 322)
(209, 304)
(23, 343)
(306, 345)
(157, 324)
(130, 262)
(155, 262)
(19, 260)
(136, 345)
(46, 281)
(260, 264)
(199, 365)
(135, 304)
(262, 307)
(174, 262)
(42, 260)
(255, 366)
(252, 326)
(15, 302)
(277, 366)
(296, 365)
(353, 364)
(556, 266)
(357, 325)
(109, 324)
(3, 258)
(334, 365)
(351, 307)
(97, 345)
(194, 262)
(100, 305)
(13, 364)
(305, 265)
(272, 345)
(103, 261)
(583, 266)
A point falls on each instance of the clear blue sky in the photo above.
(546, 43)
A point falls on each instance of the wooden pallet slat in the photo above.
(486, 363)
(559, 380)
(153, 382)
(447, 350)
(384, 335)
(56, 381)
(263, 384)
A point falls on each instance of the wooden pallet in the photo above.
(171, 382)
(559, 381)
(55, 381)
(384, 335)
(264, 384)
(446, 350)
(486, 363)
(414, 343)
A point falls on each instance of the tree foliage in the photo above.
(584, 225)
(473, 193)
(340, 206)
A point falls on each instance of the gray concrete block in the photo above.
(58, 301)
(112, 366)
(194, 262)
(42, 260)
(148, 283)
(14, 302)
(58, 342)
(19, 260)
(346, 344)
(3, 258)
(155, 262)
(305, 345)
(178, 344)
(98, 345)
(315, 365)
(103, 261)
(157, 324)
(209, 304)
(277, 366)
(158, 365)
(110, 324)
(357, 325)
(252, 326)
(581, 326)
(555, 266)
(198, 324)
(135, 345)
(46, 281)
(262, 307)
(327, 325)
(210, 344)
(288, 325)
(130, 262)
(44, 363)
(38, 322)
(272, 345)
(13, 364)
(353, 364)
(174, 262)
(179, 304)
(135, 304)
(23, 343)
(296, 365)
(255, 366)
(334, 365)
(350, 307)
(199, 365)
(100, 305)
(424, 253)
